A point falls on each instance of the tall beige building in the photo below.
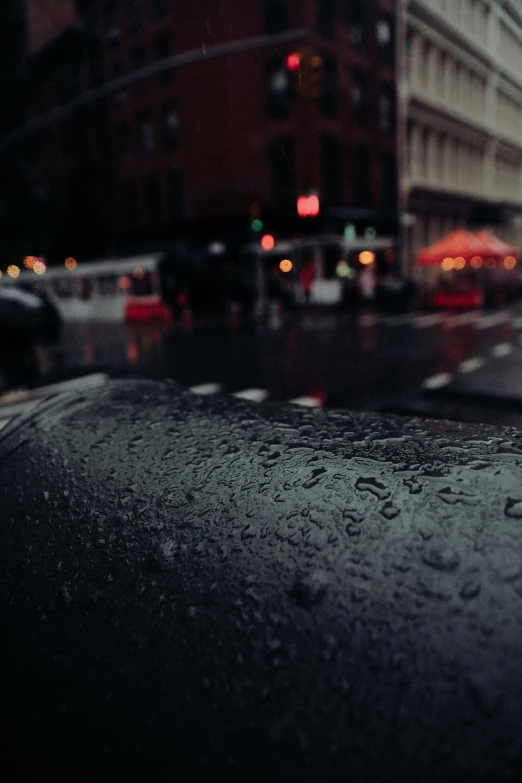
(460, 118)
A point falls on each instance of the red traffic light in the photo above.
(308, 206)
(293, 61)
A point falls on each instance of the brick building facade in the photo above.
(213, 125)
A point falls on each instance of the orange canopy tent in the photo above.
(460, 243)
(496, 247)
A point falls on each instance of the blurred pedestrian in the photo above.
(307, 277)
(367, 283)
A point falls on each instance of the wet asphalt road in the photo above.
(407, 363)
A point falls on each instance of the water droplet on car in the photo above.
(441, 558)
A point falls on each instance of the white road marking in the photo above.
(307, 402)
(502, 349)
(254, 395)
(207, 388)
(470, 365)
(516, 323)
(397, 320)
(465, 318)
(437, 381)
(368, 319)
(493, 320)
(422, 321)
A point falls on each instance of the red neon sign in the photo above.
(308, 206)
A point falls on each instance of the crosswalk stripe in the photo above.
(254, 395)
(422, 321)
(207, 388)
(368, 319)
(307, 402)
(437, 381)
(464, 318)
(502, 349)
(470, 365)
(493, 320)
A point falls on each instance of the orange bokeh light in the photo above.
(70, 263)
(13, 270)
(285, 265)
(476, 262)
(39, 268)
(366, 257)
(510, 262)
(447, 264)
(459, 262)
(30, 261)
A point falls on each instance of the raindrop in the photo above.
(46, 495)
(513, 508)
(389, 511)
(471, 589)
(442, 559)
(370, 484)
(309, 589)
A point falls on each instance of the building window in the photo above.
(387, 109)
(152, 201)
(384, 33)
(135, 7)
(146, 134)
(281, 154)
(331, 159)
(361, 176)
(360, 98)
(388, 180)
(137, 62)
(329, 102)
(159, 8)
(325, 17)
(163, 50)
(275, 16)
(124, 141)
(357, 24)
(170, 125)
(176, 204)
(279, 89)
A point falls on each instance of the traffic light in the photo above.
(315, 77)
(307, 72)
(308, 205)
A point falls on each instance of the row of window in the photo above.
(441, 159)
(282, 169)
(355, 12)
(134, 13)
(443, 77)
(280, 96)
(150, 132)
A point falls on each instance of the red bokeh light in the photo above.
(267, 242)
(293, 61)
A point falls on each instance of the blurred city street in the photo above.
(430, 364)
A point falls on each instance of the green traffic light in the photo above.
(257, 225)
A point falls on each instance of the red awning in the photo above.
(459, 243)
(496, 247)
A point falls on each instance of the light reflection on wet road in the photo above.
(363, 361)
